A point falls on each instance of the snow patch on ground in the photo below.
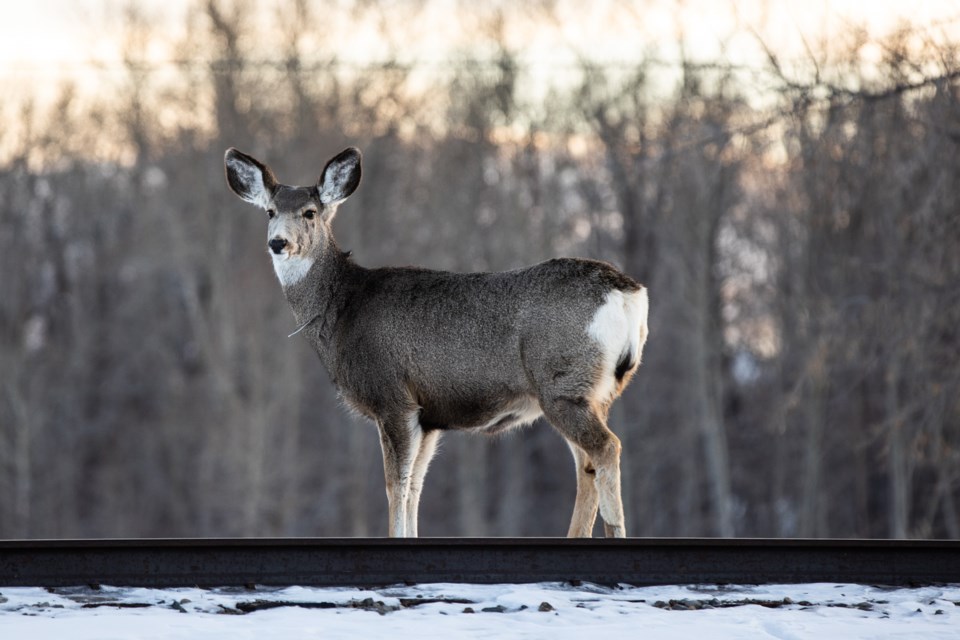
(443, 611)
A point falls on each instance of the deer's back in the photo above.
(463, 347)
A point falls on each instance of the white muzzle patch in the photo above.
(290, 269)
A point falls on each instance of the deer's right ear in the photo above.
(340, 177)
(249, 178)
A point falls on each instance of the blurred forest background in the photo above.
(797, 222)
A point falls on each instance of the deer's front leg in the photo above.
(400, 440)
(428, 446)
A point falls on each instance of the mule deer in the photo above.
(420, 352)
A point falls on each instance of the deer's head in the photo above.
(299, 218)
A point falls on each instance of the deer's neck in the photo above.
(318, 297)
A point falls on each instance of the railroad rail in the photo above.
(370, 562)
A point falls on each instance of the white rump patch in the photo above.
(290, 269)
(637, 307)
(620, 328)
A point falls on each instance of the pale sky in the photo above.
(42, 41)
(52, 32)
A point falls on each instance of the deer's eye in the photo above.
(309, 213)
(271, 213)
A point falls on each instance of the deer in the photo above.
(421, 352)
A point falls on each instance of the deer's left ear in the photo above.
(249, 178)
(340, 177)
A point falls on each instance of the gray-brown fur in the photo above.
(421, 351)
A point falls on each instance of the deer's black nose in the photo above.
(277, 245)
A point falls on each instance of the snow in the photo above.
(550, 610)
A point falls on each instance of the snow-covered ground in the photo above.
(448, 611)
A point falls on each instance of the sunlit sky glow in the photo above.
(44, 42)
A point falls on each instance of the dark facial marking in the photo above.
(289, 199)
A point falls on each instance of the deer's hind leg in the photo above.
(588, 500)
(582, 423)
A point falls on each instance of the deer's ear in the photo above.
(340, 177)
(249, 178)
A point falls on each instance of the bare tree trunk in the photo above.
(513, 503)
(898, 477)
(707, 394)
(812, 523)
(355, 504)
(287, 465)
(253, 478)
(718, 462)
(18, 460)
(23, 474)
(472, 457)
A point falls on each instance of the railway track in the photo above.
(370, 562)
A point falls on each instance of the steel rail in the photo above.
(368, 562)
